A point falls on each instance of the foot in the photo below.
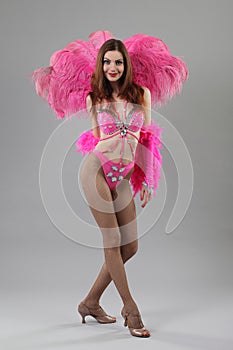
(95, 311)
(134, 322)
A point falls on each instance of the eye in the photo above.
(119, 62)
(106, 61)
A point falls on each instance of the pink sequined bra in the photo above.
(110, 123)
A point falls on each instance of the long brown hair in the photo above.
(101, 87)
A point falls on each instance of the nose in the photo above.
(112, 67)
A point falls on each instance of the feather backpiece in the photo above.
(65, 84)
(155, 68)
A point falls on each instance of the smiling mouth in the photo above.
(112, 74)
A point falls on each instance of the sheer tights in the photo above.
(115, 214)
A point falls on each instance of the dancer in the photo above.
(123, 145)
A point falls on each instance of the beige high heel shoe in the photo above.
(98, 313)
(135, 325)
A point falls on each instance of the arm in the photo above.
(94, 122)
(148, 160)
(147, 105)
(145, 193)
(89, 139)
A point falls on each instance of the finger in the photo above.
(142, 194)
(145, 202)
(147, 199)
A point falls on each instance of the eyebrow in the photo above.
(119, 59)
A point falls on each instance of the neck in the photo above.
(115, 87)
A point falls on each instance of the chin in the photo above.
(113, 79)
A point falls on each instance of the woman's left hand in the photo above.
(145, 195)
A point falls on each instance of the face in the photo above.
(113, 65)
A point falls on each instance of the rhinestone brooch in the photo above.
(114, 168)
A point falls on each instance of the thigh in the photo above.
(100, 200)
(126, 212)
(94, 183)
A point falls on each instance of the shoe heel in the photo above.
(124, 315)
(83, 318)
(83, 314)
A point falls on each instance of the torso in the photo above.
(120, 123)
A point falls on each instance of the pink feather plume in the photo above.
(65, 84)
(86, 142)
(155, 68)
(148, 159)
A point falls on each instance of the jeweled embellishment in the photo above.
(109, 174)
(114, 178)
(114, 168)
(123, 132)
(121, 170)
(120, 177)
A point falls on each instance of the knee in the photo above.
(129, 250)
(111, 238)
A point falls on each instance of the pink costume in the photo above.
(111, 125)
(65, 85)
(147, 159)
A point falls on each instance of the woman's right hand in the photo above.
(145, 195)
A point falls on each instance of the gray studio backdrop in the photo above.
(182, 282)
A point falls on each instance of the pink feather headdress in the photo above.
(65, 84)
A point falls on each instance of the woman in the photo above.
(113, 82)
(123, 145)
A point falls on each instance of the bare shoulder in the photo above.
(147, 94)
(88, 102)
(146, 90)
(147, 105)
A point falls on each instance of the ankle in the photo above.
(91, 303)
(131, 307)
